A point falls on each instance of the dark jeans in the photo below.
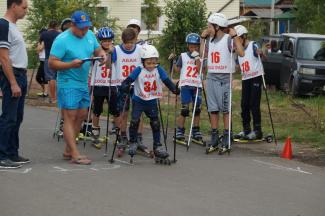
(12, 114)
(151, 111)
(250, 103)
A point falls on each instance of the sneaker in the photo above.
(8, 164)
(20, 160)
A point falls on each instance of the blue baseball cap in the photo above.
(81, 19)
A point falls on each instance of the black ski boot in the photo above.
(197, 136)
(161, 155)
(95, 135)
(214, 142)
(180, 136)
(60, 131)
(225, 145)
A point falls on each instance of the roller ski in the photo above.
(180, 136)
(197, 137)
(122, 145)
(143, 149)
(133, 150)
(225, 146)
(253, 137)
(214, 143)
(161, 156)
(97, 141)
(59, 132)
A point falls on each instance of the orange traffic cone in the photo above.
(287, 150)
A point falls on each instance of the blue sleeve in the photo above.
(179, 62)
(114, 56)
(96, 44)
(134, 75)
(162, 73)
(255, 47)
(58, 48)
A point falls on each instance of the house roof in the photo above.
(263, 12)
(258, 3)
(286, 15)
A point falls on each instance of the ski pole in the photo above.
(175, 128)
(56, 124)
(196, 96)
(168, 96)
(230, 96)
(268, 102)
(30, 82)
(108, 108)
(162, 124)
(205, 99)
(93, 75)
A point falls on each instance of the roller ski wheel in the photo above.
(268, 138)
(163, 161)
(211, 149)
(224, 150)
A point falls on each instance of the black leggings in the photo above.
(250, 103)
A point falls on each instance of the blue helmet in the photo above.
(105, 33)
(193, 38)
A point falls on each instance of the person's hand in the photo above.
(15, 90)
(172, 56)
(259, 52)
(177, 91)
(76, 63)
(232, 32)
(195, 55)
(104, 60)
(205, 33)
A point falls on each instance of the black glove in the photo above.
(125, 87)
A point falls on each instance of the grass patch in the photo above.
(289, 117)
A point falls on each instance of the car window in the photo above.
(289, 45)
(311, 49)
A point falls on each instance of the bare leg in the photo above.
(226, 121)
(214, 120)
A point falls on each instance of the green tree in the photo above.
(151, 12)
(182, 17)
(310, 16)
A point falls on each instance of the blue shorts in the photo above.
(49, 74)
(188, 94)
(73, 98)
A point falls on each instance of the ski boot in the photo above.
(133, 150)
(143, 149)
(214, 143)
(113, 129)
(241, 135)
(255, 135)
(180, 136)
(95, 135)
(225, 147)
(121, 146)
(161, 155)
(197, 136)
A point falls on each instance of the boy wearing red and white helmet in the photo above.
(251, 71)
(147, 80)
(219, 61)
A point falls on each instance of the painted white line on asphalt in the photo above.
(60, 169)
(27, 170)
(124, 162)
(94, 169)
(275, 166)
(110, 168)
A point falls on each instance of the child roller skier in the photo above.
(125, 58)
(251, 71)
(188, 65)
(147, 90)
(102, 85)
(219, 51)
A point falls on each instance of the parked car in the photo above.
(298, 66)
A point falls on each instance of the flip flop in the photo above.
(80, 160)
(66, 156)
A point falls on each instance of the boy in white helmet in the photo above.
(251, 71)
(219, 56)
(136, 26)
(147, 80)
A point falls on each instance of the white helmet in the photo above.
(148, 51)
(219, 19)
(134, 22)
(240, 30)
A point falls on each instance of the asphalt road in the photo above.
(242, 184)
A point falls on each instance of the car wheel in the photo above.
(293, 87)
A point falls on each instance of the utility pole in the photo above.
(272, 18)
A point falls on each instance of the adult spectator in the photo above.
(13, 83)
(50, 75)
(65, 24)
(40, 76)
(67, 52)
